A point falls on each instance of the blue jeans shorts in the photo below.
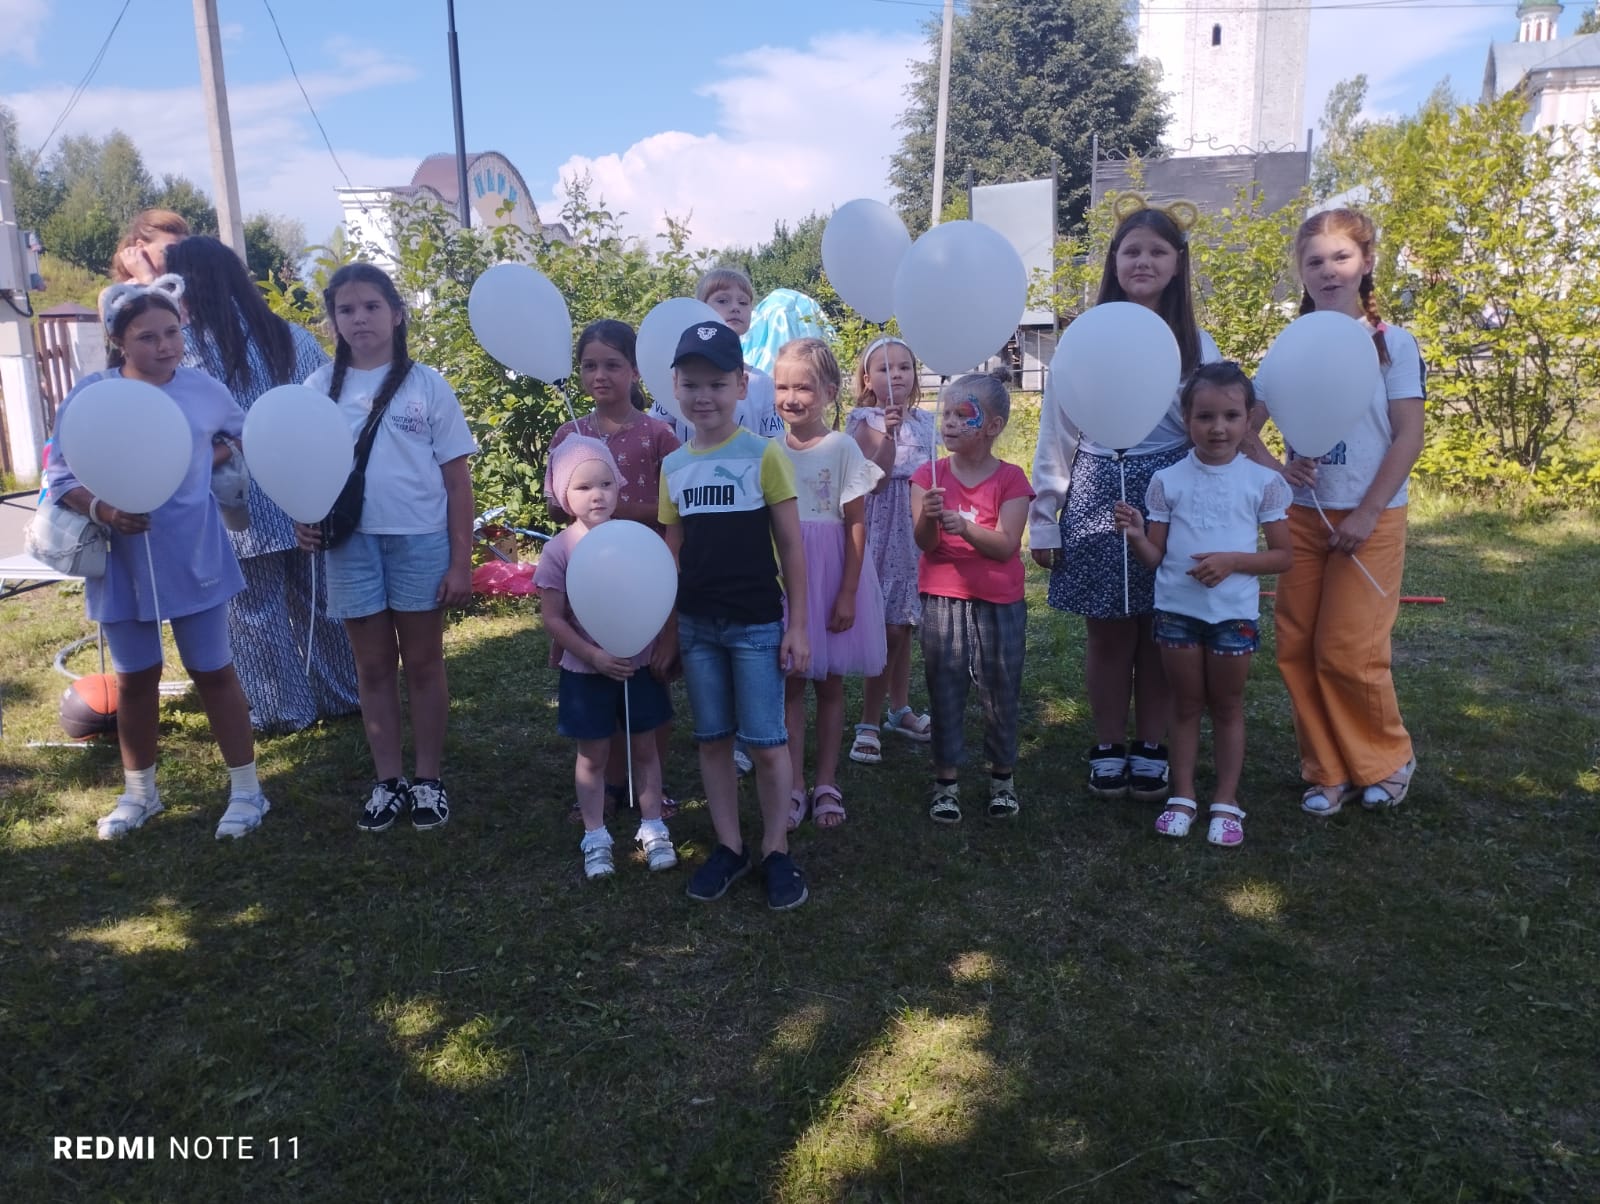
(1231, 637)
(370, 574)
(590, 705)
(202, 640)
(734, 681)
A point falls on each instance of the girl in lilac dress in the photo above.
(844, 603)
(898, 438)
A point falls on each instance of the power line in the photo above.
(326, 141)
(83, 84)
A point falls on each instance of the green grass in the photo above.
(1394, 1008)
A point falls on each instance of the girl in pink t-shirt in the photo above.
(969, 518)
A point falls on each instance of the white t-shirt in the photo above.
(829, 474)
(1345, 474)
(422, 428)
(757, 410)
(1212, 509)
(1170, 433)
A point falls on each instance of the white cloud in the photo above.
(1393, 47)
(797, 130)
(282, 164)
(21, 20)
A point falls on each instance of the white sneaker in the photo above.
(596, 848)
(658, 850)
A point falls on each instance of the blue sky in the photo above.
(733, 116)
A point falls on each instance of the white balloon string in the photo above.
(1122, 470)
(155, 597)
(311, 622)
(566, 397)
(1382, 593)
(627, 738)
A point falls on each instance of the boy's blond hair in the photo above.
(718, 279)
(864, 394)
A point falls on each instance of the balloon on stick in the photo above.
(959, 293)
(658, 339)
(299, 449)
(1115, 372)
(127, 442)
(863, 245)
(522, 320)
(622, 584)
(1317, 379)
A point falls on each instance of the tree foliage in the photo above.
(1491, 241)
(1031, 84)
(1590, 22)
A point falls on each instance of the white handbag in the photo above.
(67, 541)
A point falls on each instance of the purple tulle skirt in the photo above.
(860, 651)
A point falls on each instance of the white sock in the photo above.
(242, 781)
(140, 784)
(652, 829)
(596, 838)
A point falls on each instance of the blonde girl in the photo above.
(897, 436)
(844, 602)
(1348, 521)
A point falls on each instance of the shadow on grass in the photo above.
(1380, 1007)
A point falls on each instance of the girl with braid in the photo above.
(411, 553)
(1348, 520)
(234, 337)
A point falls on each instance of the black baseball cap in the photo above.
(710, 341)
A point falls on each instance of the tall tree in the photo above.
(1590, 22)
(183, 196)
(1338, 163)
(34, 193)
(1031, 82)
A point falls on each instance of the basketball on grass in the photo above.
(89, 707)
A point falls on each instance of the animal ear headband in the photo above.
(118, 295)
(1182, 214)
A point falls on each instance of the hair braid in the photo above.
(1369, 304)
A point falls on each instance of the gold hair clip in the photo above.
(1182, 214)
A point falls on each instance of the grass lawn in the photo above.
(1066, 1007)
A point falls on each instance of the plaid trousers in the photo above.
(966, 642)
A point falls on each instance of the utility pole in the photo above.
(463, 206)
(224, 180)
(19, 372)
(943, 118)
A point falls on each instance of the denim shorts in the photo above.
(370, 574)
(735, 683)
(202, 640)
(590, 705)
(1231, 637)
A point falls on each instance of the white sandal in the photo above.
(1392, 791)
(920, 731)
(1173, 822)
(128, 814)
(1225, 829)
(242, 817)
(868, 748)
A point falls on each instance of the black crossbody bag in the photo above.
(345, 516)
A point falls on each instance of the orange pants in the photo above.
(1333, 650)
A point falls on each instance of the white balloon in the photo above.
(863, 245)
(299, 449)
(522, 320)
(622, 584)
(1317, 379)
(658, 339)
(1115, 373)
(959, 294)
(127, 442)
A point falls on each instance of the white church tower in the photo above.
(1235, 71)
(1537, 21)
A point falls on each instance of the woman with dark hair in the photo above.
(234, 336)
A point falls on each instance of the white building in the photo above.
(1235, 71)
(497, 195)
(1559, 76)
